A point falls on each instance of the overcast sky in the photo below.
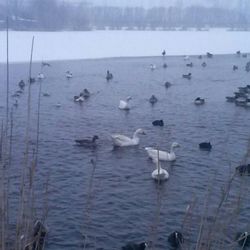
(151, 3)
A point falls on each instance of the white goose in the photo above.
(123, 141)
(124, 104)
(163, 155)
(159, 174)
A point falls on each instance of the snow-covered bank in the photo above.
(101, 44)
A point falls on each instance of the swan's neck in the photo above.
(135, 135)
(172, 150)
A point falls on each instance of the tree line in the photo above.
(51, 15)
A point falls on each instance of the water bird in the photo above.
(40, 76)
(134, 246)
(58, 105)
(186, 58)
(164, 65)
(153, 99)
(243, 169)
(78, 98)
(21, 84)
(235, 67)
(159, 174)
(158, 123)
(199, 101)
(167, 84)
(85, 93)
(125, 104)
(200, 57)
(238, 53)
(68, 74)
(244, 55)
(152, 66)
(32, 80)
(46, 94)
(205, 146)
(175, 239)
(123, 141)
(204, 64)
(209, 55)
(163, 155)
(109, 76)
(187, 76)
(189, 65)
(163, 52)
(39, 234)
(87, 142)
(243, 239)
(46, 64)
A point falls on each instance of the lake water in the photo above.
(100, 44)
(124, 202)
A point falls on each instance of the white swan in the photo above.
(123, 141)
(159, 173)
(124, 104)
(163, 155)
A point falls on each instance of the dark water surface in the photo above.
(122, 204)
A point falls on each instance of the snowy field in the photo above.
(101, 44)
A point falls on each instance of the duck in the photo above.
(186, 58)
(235, 67)
(175, 239)
(124, 141)
(58, 105)
(45, 64)
(32, 80)
(69, 74)
(153, 99)
(238, 53)
(152, 66)
(163, 52)
(135, 246)
(167, 84)
(200, 57)
(85, 93)
(87, 142)
(46, 94)
(109, 76)
(163, 155)
(244, 55)
(205, 146)
(164, 65)
(209, 55)
(190, 65)
(242, 169)
(21, 84)
(124, 105)
(204, 64)
(187, 76)
(159, 174)
(40, 76)
(158, 123)
(199, 101)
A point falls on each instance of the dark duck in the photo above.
(87, 142)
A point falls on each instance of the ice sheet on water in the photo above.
(100, 44)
